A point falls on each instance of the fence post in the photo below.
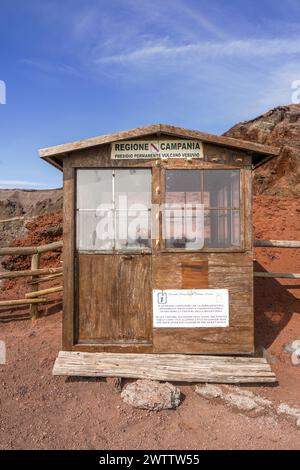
(35, 263)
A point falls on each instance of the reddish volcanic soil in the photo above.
(39, 411)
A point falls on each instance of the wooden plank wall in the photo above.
(224, 271)
(169, 270)
(114, 298)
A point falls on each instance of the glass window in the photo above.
(113, 210)
(221, 228)
(221, 189)
(218, 191)
(133, 209)
(183, 214)
(94, 209)
(94, 187)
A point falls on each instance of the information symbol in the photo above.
(162, 297)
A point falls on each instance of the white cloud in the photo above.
(242, 48)
(46, 66)
(18, 183)
(177, 17)
(198, 17)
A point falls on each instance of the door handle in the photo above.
(126, 256)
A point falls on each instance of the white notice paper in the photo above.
(190, 308)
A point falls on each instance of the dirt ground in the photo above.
(39, 411)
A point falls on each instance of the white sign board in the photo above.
(190, 308)
(145, 149)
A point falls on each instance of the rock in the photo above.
(280, 127)
(291, 346)
(209, 391)
(284, 409)
(151, 395)
(289, 412)
(241, 402)
(260, 401)
(244, 400)
(295, 358)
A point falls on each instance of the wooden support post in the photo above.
(35, 263)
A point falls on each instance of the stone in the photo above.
(260, 401)
(209, 391)
(279, 127)
(288, 410)
(151, 395)
(241, 402)
(295, 357)
(298, 423)
(244, 400)
(291, 346)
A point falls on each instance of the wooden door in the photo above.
(114, 298)
(114, 274)
(134, 298)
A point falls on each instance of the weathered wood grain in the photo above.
(7, 303)
(183, 368)
(30, 250)
(27, 273)
(277, 275)
(69, 293)
(277, 243)
(230, 340)
(225, 268)
(51, 290)
(194, 275)
(35, 264)
(114, 298)
(159, 129)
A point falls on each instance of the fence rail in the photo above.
(30, 250)
(276, 244)
(37, 274)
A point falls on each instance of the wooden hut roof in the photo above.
(260, 153)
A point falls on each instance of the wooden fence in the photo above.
(38, 275)
(277, 244)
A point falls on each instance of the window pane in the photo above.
(183, 215)
(95, 230)
(222, 228)
(183, 186)
(133, 230)
(221, 188)
(94, 187)
(133, 187)
(133, 209)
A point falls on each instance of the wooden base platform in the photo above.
(166, 367)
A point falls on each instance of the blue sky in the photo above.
(79, 68)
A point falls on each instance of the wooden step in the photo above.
(170, 367)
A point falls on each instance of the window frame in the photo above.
(158, 196)
(113, 250)
(239, 249)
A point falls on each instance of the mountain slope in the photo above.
(280, 127)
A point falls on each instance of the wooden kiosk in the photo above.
(152, 288)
